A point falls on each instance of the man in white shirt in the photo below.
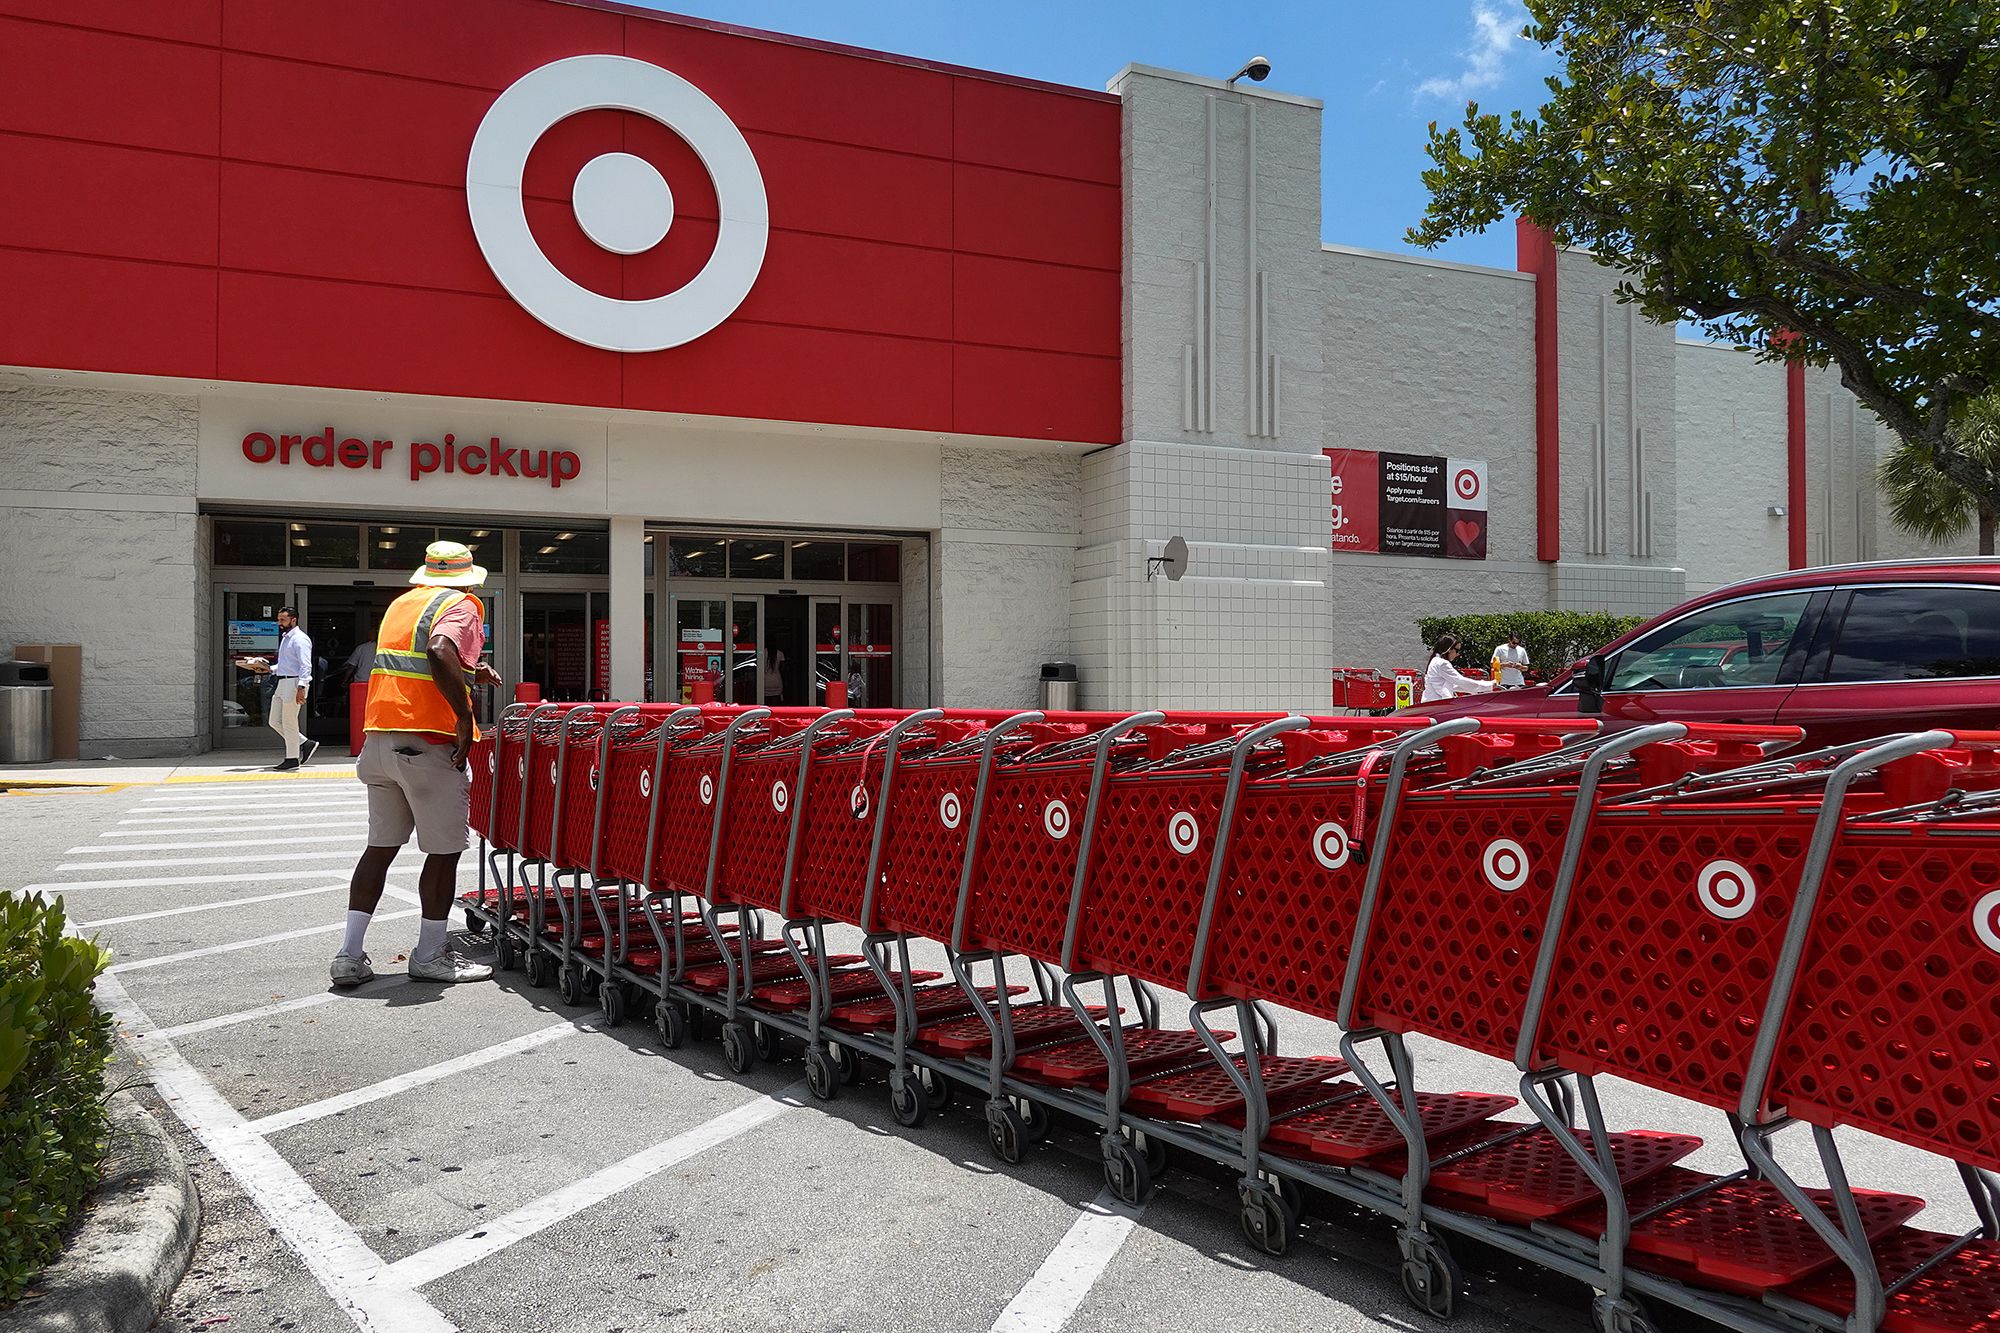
(293, 672)
(1510, 660)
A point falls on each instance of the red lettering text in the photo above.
(423, 458)
(259, 447)
(565, 468)
(353, 453)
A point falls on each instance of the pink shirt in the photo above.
(465, 628)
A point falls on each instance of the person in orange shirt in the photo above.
(419, 731)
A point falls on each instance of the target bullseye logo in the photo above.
(1055, 819)
(552, 772)
(593, 777)
(1726, 888)
(1183, 834)
(622, 202)
(1505, 864)
(492, 763)
(1986, 920)
(949, 810)
(707, 790)
(1465, 484)
(857, 801)
(781, 798)
(1330, 845)
(521, 769)
(645, 783)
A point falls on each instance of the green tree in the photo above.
(1813, 178)
(1934, 506)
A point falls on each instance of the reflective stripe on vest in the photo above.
(402, 695)
(415, 662)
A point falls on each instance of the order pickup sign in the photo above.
(488, 457)
(1408, 504)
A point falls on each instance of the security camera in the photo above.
(1258, 70)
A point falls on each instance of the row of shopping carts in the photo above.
(1797, 940)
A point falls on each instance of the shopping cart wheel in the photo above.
(1267, 1223)
(1006, 1131)
(844, 1063)
(476, 924)
(611, 1003)
(539, 967)
(1156, 1154)
(1039, 1121)
(1125, 1171)
(739, 1052)
(1621, 1314)
(937, 1086)
(570, 986)
(769, 1041)
(672, 1022)
(909, 1100)
(503, 951)
(822, 1079)
(1430, 1274)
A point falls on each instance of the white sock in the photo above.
(357, 926)
(430, 938)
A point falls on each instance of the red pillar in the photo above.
(1535, 251)
(1795, 462)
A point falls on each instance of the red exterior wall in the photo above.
(274, 192)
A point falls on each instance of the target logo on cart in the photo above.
(857, 801)
(552, 772)
(781, 797)
(1330, 845)
(1505, 864)
(1726, 888)
(492, 763)
(645, 783)
(593, 777)
(950, 811)
(1183, 833)
(622, 202)
(1986, 920)
(1055, 819)
(707, 790)
(521, 769)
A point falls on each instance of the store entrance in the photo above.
(342, 622)
(784, 648)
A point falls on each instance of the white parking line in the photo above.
(209, 907)
(232, 947)
(269, 1010)
(168, 862)
(492, 1237)
(204, 846)
(160, 881)
(372, 1294)
(226, 807)
(416, 1078)
(174, 825)
(253, 797)
(1056, 1291)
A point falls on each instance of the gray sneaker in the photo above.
(448, 965)
(351, 971)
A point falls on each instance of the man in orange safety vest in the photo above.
(419, 731)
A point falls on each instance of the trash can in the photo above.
(27, 713)
(1060, 692)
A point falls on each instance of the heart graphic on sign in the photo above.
(1467, 532)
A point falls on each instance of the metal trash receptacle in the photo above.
(1060, 691)
(27, 713)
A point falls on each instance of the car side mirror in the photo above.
(1590, 686)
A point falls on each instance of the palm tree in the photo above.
(1923, 501)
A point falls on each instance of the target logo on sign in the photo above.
(1055, 819)
(707, 790)
(1183, 833)
(857, 801)
(1466, 485)
(1330, 846)
(622, 202)
(1505, 864)
(781, 799)
(1726, 888)
(949, 810)
(1986, 920)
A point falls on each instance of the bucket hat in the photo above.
(449, 565)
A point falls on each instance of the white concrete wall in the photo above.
(1729, 413)
(100, 545)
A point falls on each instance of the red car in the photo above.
(1844, 651)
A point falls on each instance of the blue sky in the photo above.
(1384, 70)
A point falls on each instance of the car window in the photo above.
(1729, 644)
(1918, 633)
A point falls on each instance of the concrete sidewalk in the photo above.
(215, 766)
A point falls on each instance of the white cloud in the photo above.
(1496, 33)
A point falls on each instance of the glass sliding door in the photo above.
(871, 655)
(249, 629)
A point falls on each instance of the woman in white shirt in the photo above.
(1442, 680)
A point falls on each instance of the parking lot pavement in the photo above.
(409, 1158)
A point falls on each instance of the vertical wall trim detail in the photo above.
(1795, 462)
(1535, 252)
(1207, 422)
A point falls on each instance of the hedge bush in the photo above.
(1554, 639)
(54, 1045)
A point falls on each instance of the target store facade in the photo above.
(747, 358)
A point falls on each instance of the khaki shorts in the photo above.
(413, 786)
